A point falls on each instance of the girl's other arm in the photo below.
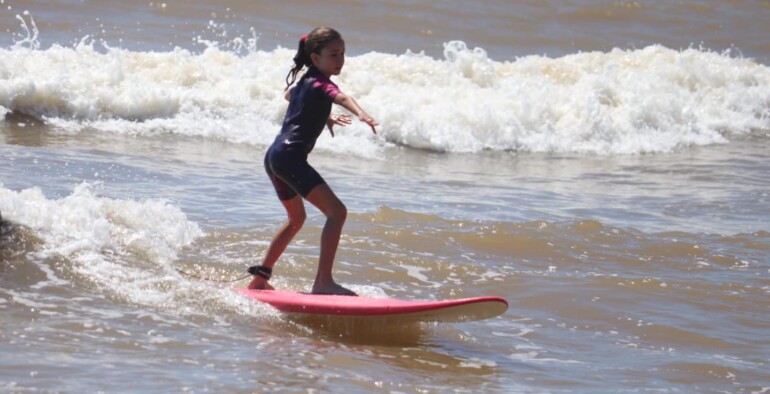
(350, 104)
(337, 120)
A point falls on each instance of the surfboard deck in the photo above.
(457, 310)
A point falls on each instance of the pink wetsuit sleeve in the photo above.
(328, 87)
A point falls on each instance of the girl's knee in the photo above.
(297, 220)
(339, 212)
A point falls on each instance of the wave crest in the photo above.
(653, 99)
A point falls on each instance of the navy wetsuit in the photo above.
(286, 159)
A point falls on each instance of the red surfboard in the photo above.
(458, 310)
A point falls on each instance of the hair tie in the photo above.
(303, 38)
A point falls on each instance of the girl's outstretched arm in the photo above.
(350, 104)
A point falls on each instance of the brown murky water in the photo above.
(618, 199)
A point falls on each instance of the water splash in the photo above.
(29, 37)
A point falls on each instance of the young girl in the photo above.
(310, 102)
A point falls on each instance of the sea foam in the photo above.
(86, 224)
(653, 99)
(124, 249)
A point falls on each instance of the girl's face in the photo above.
(331, 59)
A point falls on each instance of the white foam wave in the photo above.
(653, 99)
(83, 225)
(124, 248)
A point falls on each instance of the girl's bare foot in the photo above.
(259, 283)
(332, 289)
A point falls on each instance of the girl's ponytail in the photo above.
(301, 59)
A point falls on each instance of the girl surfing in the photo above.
(322, 51)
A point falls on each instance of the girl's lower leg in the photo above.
(336, 213)
(296, 211)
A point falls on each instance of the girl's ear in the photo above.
(315, 58)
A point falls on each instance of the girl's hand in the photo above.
(350, 104)
(337, 120)
(364, 117)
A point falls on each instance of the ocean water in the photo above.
(602, 166)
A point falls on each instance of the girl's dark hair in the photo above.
(310, 43)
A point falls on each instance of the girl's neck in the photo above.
(313, 67)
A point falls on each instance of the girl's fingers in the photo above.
(342, 119)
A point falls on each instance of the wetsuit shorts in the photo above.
(286, 165)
